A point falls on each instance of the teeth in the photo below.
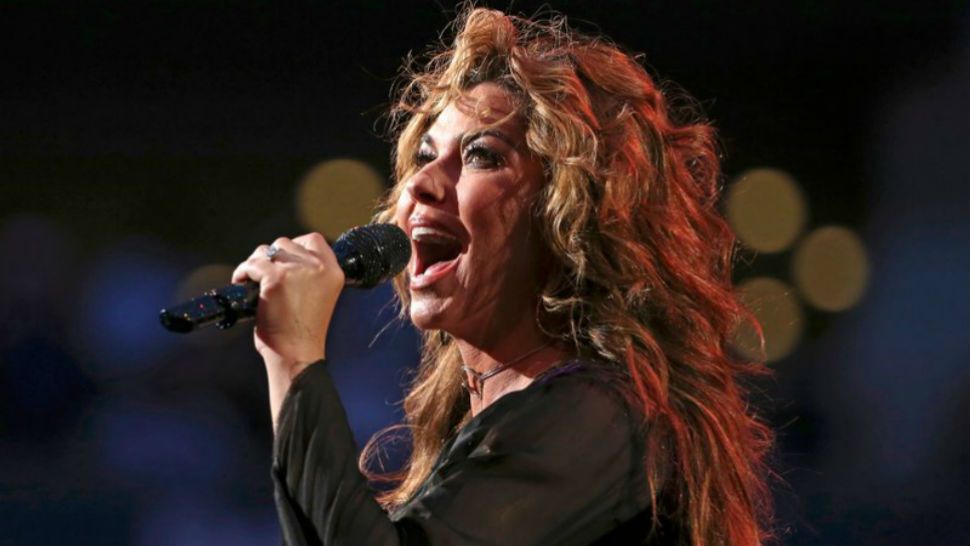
(423, 234)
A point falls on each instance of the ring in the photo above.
(273, 251)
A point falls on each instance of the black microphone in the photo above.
(368, 255)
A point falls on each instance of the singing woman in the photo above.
(571, 277)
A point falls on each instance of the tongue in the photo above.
(437, 266)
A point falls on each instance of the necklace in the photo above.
(481, 377)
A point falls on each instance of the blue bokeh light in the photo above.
(118, 325)
(190, 518)
(41, 387)
(157, 445)
(370, 353)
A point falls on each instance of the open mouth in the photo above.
(434, 250)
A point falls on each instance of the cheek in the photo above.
(489, 216)
(402, 209)
(502, 246)
(504, 220)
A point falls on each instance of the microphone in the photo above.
(367, 254)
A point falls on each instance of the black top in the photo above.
(558, 463)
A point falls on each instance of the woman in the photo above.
(572, 279)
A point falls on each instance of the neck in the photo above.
(536, 354)
(497, 341)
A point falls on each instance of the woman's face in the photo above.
(475, 263)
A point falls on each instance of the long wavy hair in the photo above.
(641, 274)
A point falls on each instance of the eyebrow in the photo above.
(475, 135)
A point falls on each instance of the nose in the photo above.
(425, 187)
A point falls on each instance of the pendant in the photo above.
(481, 377)
(475, 389)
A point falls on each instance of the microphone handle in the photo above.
(234, 303)
(367, 255)
(223, 307)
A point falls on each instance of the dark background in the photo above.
(141, 140)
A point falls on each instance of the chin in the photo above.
(425, 315)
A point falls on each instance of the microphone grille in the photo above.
(372, 253)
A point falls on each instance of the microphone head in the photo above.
(372, 254)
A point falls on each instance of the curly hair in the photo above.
(641, 274)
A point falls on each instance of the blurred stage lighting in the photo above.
(337, 195)
(781, 317)
(830, 268)
(202, 279)
(37, 280)
(189, 439)
(198, 515)
(766, 208)
(116, 326)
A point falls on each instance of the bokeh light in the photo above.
(202, 279)
(830, 268)
(766, 208)
(37, 280)
(200, 518)
(42, 386)
(196, 438)
(365, 343)
(781, 317)
(337, 195)
(117, 327)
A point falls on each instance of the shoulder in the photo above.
(572, 430)
(583, 402)
(586, 385)
(596, 374)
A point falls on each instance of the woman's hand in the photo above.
(298, 289)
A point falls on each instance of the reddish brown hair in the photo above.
(642, 261)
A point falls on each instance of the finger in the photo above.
(313, 242)
(260, 252)
(318, 246)
(291, 249)
(253, 269)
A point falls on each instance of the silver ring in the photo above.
(273, 251)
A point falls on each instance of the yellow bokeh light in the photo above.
(203, 279)
(767, 209)
(830, 268)
(337, 195)
(781, 317)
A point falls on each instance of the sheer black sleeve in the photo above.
(557, 463)
(321, 496)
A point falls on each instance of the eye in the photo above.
(423, 156)
(480, 156)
